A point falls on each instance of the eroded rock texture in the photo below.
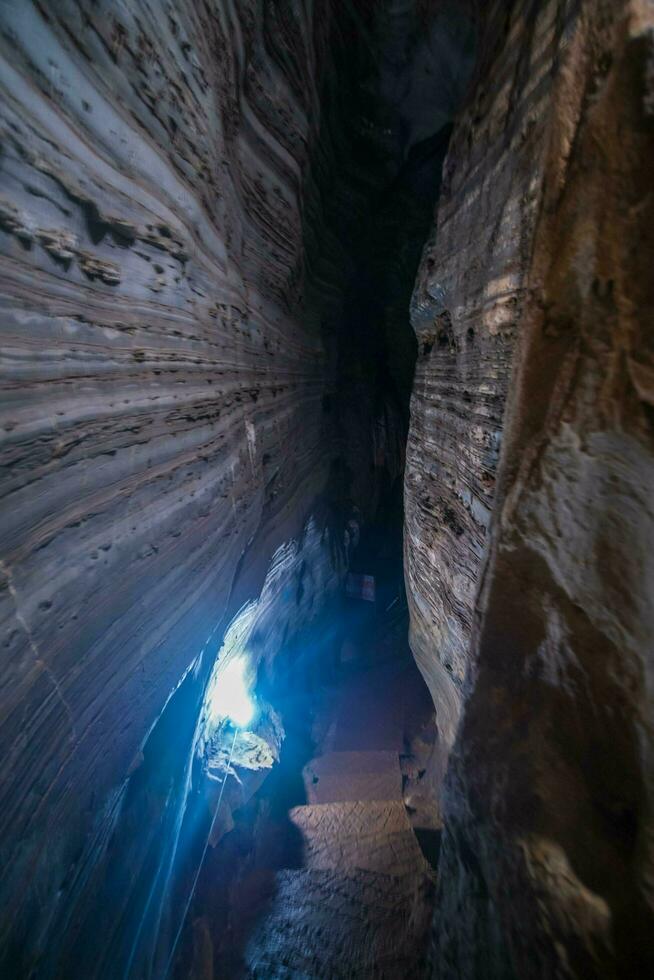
(196, 381)
(210, 213)
(163, 427)
(539, 284)
(465, 311)
(330, 881)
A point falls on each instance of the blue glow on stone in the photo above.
(229, 697)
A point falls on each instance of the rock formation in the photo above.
(533, 309)
(163, 427)
(466, 312)
(211, 214)
(178, 195)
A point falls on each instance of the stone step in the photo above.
(342, 776)
(329, 924)
(370, 835)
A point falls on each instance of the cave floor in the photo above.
(335, 879)
(329, 869)
(361, 904)
(328, 872)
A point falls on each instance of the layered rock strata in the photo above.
(537, 295)
(179, 191)
(163, 427)
(465, 312)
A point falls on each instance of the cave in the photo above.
(327, 476)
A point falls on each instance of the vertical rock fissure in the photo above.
(385, 159)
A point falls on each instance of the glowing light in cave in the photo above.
(229, 697)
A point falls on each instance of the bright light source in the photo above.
(229, 697)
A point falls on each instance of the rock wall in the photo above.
(537, 294)
(163, 426)
(180, 313)
(466, 311)
(388, 108)
(188, 196)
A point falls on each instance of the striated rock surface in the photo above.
(465, 312)
(193, 384)
(210, 214)
(536, 294)
(162, 421)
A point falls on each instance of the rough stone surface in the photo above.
(373, 836)
(340, 776)
(162, 425)
(359, 905)
(343, 924)
(337, 889)
(200, 285)
(465, 311)
(185, 207)
(540, 296)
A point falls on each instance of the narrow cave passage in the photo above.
(326, 456)
(329, 869)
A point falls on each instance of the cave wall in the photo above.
(400, 70)
(529, 569)
(169, 367)
(465, 311)
(187, 191)
(163, 426)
